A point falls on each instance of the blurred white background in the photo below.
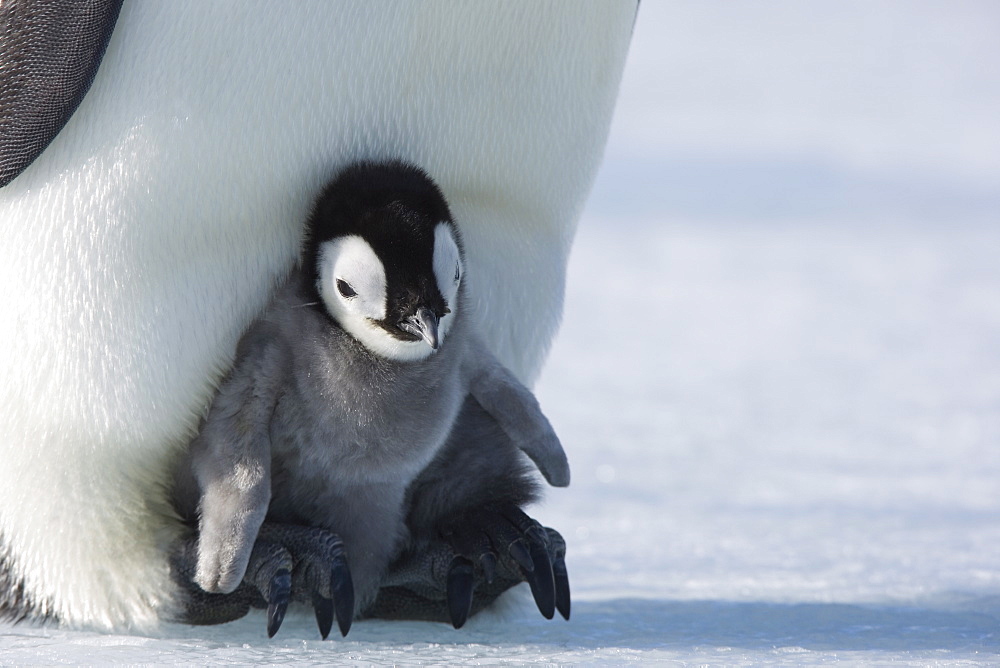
(783, 109)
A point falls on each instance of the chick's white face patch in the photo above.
(448, 270)
(349, 265)
(352, 285)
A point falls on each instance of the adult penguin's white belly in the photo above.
(138, 246)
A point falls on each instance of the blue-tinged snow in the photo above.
(778, 377)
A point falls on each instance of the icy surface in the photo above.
(778, 377)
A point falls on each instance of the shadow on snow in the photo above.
(652, 624)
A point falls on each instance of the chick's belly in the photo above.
(337, 461)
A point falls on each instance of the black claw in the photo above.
(342, 587)
(541, 580)
(561, 577)
(277, 600)
(488, 561)
(459, 590)
(324, 614)
(522, 555)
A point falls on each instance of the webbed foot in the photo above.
(287, 563)
(481, 554)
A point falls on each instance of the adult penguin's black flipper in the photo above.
(49, 54)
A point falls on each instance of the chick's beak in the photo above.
(423, 323)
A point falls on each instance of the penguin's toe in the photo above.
(288, 563)
(319, 574)
(506, 542)
(479, 555)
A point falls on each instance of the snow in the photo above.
(778, 377)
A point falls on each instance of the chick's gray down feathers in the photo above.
(314, 432)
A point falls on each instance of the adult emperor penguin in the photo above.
(153, 227)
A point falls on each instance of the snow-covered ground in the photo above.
(778, 377)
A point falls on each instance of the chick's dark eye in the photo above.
(346, 290)
(457, 273)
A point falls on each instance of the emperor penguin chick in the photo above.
(344, 390)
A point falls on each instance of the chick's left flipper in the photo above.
(287, 563)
